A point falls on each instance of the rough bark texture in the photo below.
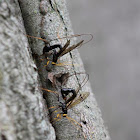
(22, 108)
(21, 102)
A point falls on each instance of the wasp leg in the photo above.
(58, 118)
(49, 90)
(74, 122)
(53, 107)
(47, 63)
(54, 111)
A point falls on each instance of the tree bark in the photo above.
(22, 108)
(24, 113)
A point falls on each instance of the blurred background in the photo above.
(112, 60)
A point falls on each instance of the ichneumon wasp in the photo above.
(67, 98)
(53, 52)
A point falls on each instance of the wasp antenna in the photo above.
(91, 37)
(76, 35)
(85, 80)
(83, 43)
(64, 64)
(58, 36)
(37, 38)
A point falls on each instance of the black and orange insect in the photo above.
(71, 98)
(53, 52)
(64, 107)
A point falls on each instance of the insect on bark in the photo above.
(70, 96)
(53, 52)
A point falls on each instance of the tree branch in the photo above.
(48, 19)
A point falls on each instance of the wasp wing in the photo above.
(71, 48)
(80, 98)
(64, 48)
